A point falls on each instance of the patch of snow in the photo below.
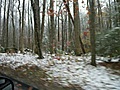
(69, 70)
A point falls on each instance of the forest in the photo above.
(60, 32)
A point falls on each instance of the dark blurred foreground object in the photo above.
(6, 83)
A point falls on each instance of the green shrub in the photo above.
(108, 43)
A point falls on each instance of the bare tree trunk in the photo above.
(119, 12)
(14, 44)
(7, 24)
(58, 32)
(65, 32)
(118, 16)
(70, 34)
(4, 25)
(62, 32)
(76, 29)
(0, 24)
(28, 44)
(70, 39)
(92, 31)
(68, 9)
(100, 19)
(81, 44)
(110, 21)
(43, 19)
(22, 31)
(31, 21)
(51, 30)
(19, 26)
(48, 25)
(35, 6)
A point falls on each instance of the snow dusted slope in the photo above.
(68, 70)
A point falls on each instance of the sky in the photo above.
(82, 6)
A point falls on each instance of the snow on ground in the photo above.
(68, 70)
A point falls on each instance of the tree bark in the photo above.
(35, 6)
(7, 25)
(14, 44)
(110, 21)
(19, 25)
(0, 24)
(31, 22)
(23, 24)
(70, 39)
(29, 31)
(92, 31)
(52, 29)
(77, 29)
(4, 25)
(63, 37)
(43, 19)
(118, 16)
(78, 37)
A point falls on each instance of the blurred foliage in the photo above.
(108, 42)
